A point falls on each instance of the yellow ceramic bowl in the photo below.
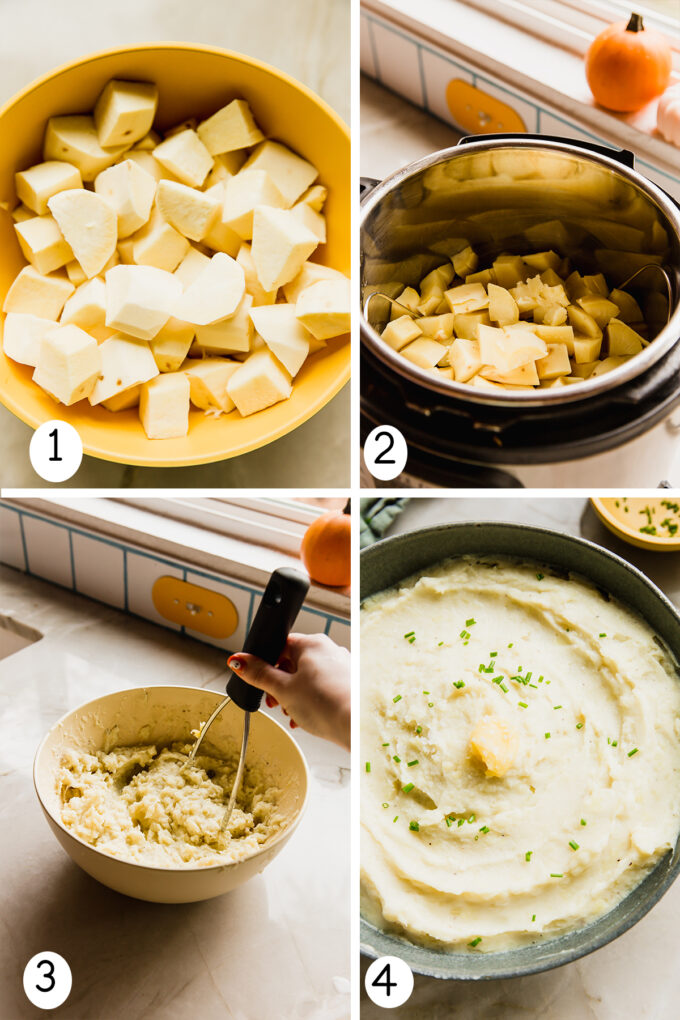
(161, 715)
(625, 515)
(192, 81)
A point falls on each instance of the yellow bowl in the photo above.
(192, 81)
(624, 515)
(161, 715)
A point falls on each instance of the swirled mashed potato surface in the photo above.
(520, 733)
(139, 804)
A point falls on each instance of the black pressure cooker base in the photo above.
(477, 433)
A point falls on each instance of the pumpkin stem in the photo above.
(635, 24)
(347, 507)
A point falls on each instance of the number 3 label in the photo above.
(389, 982)
(47, 980)
(385, 452)
(56, 451)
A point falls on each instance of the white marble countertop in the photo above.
(275, 947)
(310, 41)
(633, 978)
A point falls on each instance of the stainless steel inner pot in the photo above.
(527, 194)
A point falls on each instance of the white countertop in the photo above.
(310, 41)
(633, 978)
(275, 947)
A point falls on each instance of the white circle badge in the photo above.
(385, 452)
(47, 980)
(389, 982)
(56, 451)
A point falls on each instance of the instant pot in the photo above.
(517, 194)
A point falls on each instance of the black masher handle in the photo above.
(281, 601)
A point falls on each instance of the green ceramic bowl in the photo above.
(394, 559)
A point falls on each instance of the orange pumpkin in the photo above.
(628, 66)
(326, 548)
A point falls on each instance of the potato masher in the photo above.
(281, 601)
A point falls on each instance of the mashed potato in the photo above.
(520, 741)
(137, 804)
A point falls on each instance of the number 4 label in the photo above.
(385, 452)
(389, 982)
(56, 451)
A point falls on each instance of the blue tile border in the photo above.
(131, 548)
(477, 76)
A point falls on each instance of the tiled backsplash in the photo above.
(442, 84)
(123, 575)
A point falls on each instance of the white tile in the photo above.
(340, 633)
(11, 545)
(367, 63)
(551, 125)
(48, 551)
(399, 67)
(310, 623)
(240, 599)
(98, 568)
(438, 72)
(142, 574)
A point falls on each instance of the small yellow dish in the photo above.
(192, 81)
(629, 516)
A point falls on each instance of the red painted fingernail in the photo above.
(236, 664)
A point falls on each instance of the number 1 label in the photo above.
(56, 451)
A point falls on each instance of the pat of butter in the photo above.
(495, 743)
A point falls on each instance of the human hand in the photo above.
(311, 683)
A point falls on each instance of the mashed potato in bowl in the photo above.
(140, 804)
(522, 762)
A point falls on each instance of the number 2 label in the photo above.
(385, 452)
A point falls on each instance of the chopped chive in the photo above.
(394, 819)
(533, 917)
(510, 645)
(408, 787)
(522, 704)
(615, 743)
(527, 856)
(387, 744)
(385, 804)
(503, 688)
(539, 577)
(484, 828)
(492, 655)
(535, 686)
(396, 698)
(603, 635)
(583, 821)
(411, 639)
(395, 757)
(631, 753)
(430, 704)
(540, 679)
(556, 874)
(414, 827)
(461, 821)
(471, 819)
(475, 942)
(410, 763)
(440, 644)
(459, 684)
(482, 668)
(547, 736)
(573, 844)
(419, 730)
(410, 634)
(448, 821)
(471, 622)
(368, 766)
(579, 725)
(555, 707)
(426, 692)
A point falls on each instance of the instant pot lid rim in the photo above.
(639, 363)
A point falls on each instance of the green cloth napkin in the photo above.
(376, 516)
